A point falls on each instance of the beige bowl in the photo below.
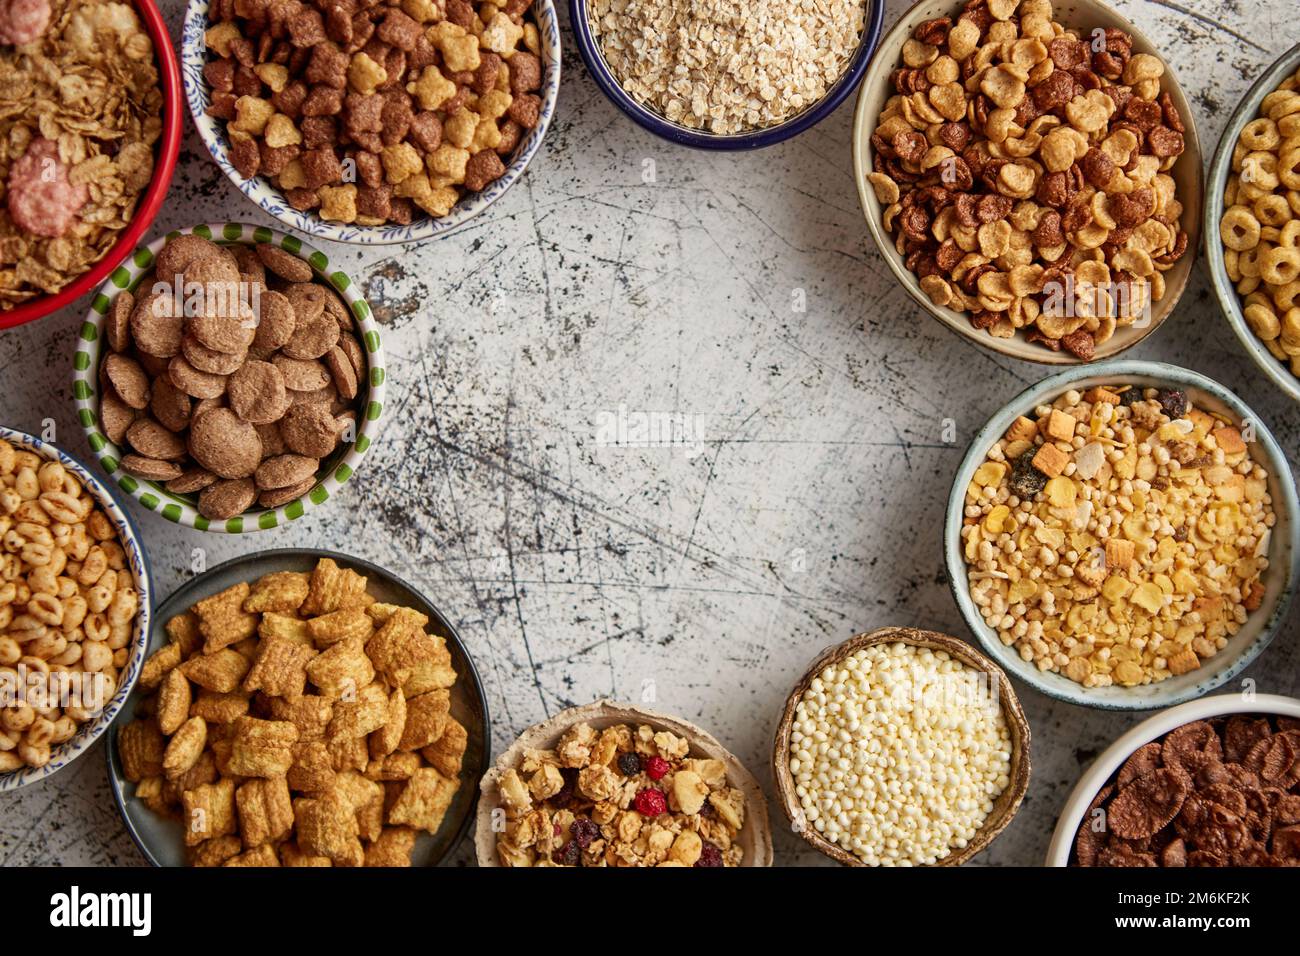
(1006, 805)
(1082, 16)
(755, 836)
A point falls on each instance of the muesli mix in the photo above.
(68, 608)
(726, 66)
(898, 754)
(371, 113)
(1219, 792)
(1118, 536)
(80, 113)
(231, 373)
(1260, 227)
(297, 721)
(1024, 173)
(621, 796)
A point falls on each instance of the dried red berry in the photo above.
(584, 830)
(651, 802)
(629, 764)
(710, 855)
(656, 767)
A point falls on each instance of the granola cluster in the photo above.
(80, 112)
(1119, 536)
(1024, 171)
(372, 112)
(1219, 792)
(297, 721)
(621, 796)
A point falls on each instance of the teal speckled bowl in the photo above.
(183, 509)
(1229, 301)
(1280, 578)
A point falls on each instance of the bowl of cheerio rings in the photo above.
(1031, 174)
(1124, 536)
(74, 609)
(91, 126)
(785, 66)
(229, 377)
(1254, 200)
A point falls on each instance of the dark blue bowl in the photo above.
(698, 139)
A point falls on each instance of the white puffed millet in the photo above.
(898, 753)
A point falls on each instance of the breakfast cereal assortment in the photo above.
(297, 721)
(623, 795)
(1260, 227)
(780, 57)
(68, 607)
(80, 112)
(371, 113)
(1024, 171)
(898, 753)
(1118, 536)
(1220, 792)
(232, 372)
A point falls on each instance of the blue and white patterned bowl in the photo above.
(259, 189)
(138, 563)
(1279, 579)
(183, 509)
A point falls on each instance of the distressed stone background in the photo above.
(808, 510)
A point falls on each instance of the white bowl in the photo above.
(1280, 581)
(194, 55)
(1113, 757)
(138, 563)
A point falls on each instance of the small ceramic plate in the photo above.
(182, 509)
(1113, 757)
(138, 564)
(1280, 578)
(194, 55)
(161, 839)
(1220, 167)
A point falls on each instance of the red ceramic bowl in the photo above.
(169, 145)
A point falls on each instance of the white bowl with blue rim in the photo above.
(1284, 544)
(194, 54)
(1278, 372)
(183, 509)
(137, 562)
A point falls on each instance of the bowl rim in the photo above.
(1216, 182)
(661, 126)
(115, 778)
(957, 322)
(967, 654)
(1280, 549)
(271, 200)
(181, 509)
(756, 814)
(1112, 758)
(150, 201)
(137, 557)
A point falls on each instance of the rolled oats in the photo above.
(726, 66)
(1119, 537)
(80, 112)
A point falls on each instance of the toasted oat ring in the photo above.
(1239, 229)
(1280, 265)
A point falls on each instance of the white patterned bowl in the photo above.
(138, 563)
(183, 509)
(260, 190)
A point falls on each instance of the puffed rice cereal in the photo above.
(1120, 536)
(67, 608)
(898, 754)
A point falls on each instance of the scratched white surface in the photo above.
(808, 510)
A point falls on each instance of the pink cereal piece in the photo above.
(42, 201)
(22, 21)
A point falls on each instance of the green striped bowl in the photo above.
(182, 509)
